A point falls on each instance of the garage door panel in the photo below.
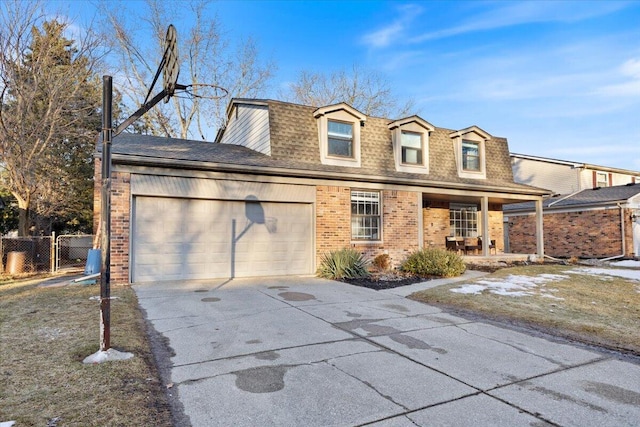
(194, 239)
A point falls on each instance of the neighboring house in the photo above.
(566, 177)
(578, 221)
(593, 223)
(285, 184)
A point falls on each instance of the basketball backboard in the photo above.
(171, 62)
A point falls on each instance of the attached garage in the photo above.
(241, 229)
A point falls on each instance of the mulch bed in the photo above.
(379, 283)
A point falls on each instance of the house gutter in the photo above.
(624, 248)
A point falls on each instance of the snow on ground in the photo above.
(514, 286)
(626, 263)
(607, 272)
(520, 286)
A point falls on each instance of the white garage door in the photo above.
(202, 239)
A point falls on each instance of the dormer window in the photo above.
(411, 143)
(410, 139)
(339, 134)
(469, 149)
(340, 139)
(470, 155)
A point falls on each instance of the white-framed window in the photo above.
(410, 140)
(469, 147)
(463, 220)
(366, 216)
(339, 128)
(340, 139)
(470, 155)
(411, 144)
(602, 179)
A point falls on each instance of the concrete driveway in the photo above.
(311, 352)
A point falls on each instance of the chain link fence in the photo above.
(26, 254)
(40, 254)
(72, 250)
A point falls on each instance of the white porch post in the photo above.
(539, 229)
(486, 238)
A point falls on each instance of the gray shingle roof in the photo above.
(179, 153)
(589, 197)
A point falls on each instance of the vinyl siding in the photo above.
(561, 179)
(249, 127)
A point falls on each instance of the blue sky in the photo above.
(558, 79)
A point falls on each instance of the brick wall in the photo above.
(585, 234)
(437, 227)
(496, 227)
(120, 220)
(399, 218)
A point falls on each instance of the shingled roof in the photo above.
(295, 152)
(586, 198)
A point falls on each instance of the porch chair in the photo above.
(454, 244)
(471, 244)
(492, 245)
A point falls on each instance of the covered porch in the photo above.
(471, 222)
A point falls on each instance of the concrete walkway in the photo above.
(311, 352)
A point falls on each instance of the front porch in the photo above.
(471, 223)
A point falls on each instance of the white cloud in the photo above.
(630, 71)
(518, 13)
(395, 30)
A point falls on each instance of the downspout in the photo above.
(624, 248)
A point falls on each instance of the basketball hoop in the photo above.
(272, 224)
(201, 90)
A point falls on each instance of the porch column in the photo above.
(539, 229)
(486, 239)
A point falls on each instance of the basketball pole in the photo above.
(105, 216)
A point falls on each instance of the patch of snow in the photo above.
(551, 297)
(626, 274)
(469, 289)
(106, 356)
(626, 263)
(512, 285)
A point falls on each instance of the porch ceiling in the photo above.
(476, 198)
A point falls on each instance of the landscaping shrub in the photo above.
(345, 263)
(382, 262)
(434, 262)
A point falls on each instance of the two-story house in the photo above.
(285, 183)
(566, 177)
(594, 211)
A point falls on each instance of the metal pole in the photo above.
(105, 216)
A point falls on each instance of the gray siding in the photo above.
(248, 126)
(561, 179)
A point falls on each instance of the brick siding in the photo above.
(120, 220)
(399, 218)
(437, 226)
(583, 234)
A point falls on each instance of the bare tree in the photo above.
(47, 98)
(367, 91)
(206, 57)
